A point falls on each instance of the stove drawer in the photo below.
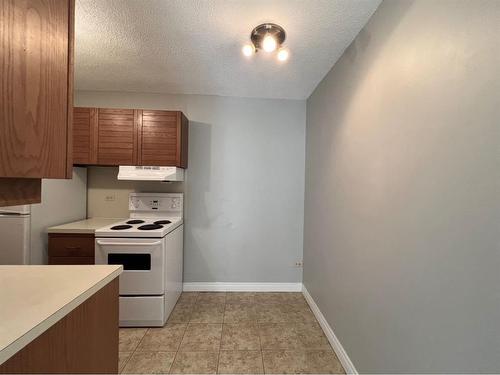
(143, 263)
(142, 311)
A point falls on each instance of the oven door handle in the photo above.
(128, 244)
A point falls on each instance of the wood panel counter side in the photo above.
(60, 327)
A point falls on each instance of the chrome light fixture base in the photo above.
(260, 32)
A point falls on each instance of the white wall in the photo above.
(402, 207)
(244, 187)
(108, 197)
(63, 201)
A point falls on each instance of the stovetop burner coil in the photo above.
(150, 227)
(121, 227)
(135, 221)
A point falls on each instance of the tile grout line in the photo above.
(183, 335)
(221, 331)
(135, 349)
(257, 324)
(261, 351)
(178, 348)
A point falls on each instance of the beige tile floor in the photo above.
(231, 333)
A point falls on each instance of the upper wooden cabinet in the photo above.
(36, 101)
(163, 138)
(36, 94)
(105, 136)
(117, 137)
(84, 136)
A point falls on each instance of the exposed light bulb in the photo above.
(283, 55)
(269, 43)
(248, 50)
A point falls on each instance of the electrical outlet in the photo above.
(299, 264)
(109, 198)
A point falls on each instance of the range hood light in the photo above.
(150, 173)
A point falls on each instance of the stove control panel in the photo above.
(171, 202)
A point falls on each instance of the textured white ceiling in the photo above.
(194, 46)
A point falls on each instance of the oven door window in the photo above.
(131, 262)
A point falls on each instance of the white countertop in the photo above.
(87, 226)
(34, 298)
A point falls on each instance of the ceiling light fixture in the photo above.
(248, 50)
(268, 37)
(283, 54)
(269, 43)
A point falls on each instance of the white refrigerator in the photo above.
(23, 229)
(15, 234)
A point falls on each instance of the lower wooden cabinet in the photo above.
(67, 248)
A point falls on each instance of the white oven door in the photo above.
(143, 261)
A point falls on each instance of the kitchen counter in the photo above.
(87, 226)
(34, 298)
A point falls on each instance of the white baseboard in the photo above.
(242, 287)
(334, 341)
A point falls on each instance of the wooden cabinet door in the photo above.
(36, 84)
(85, 135)
(158, 138)
(163, 138)
(69, 248)
(17, 191)
(117, 137)
(104, 136)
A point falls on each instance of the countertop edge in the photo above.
(71, 231)
(36, 331)
(82, 226)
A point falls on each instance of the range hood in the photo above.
(145, 173)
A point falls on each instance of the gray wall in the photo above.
(402, 213)
(244, 188)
